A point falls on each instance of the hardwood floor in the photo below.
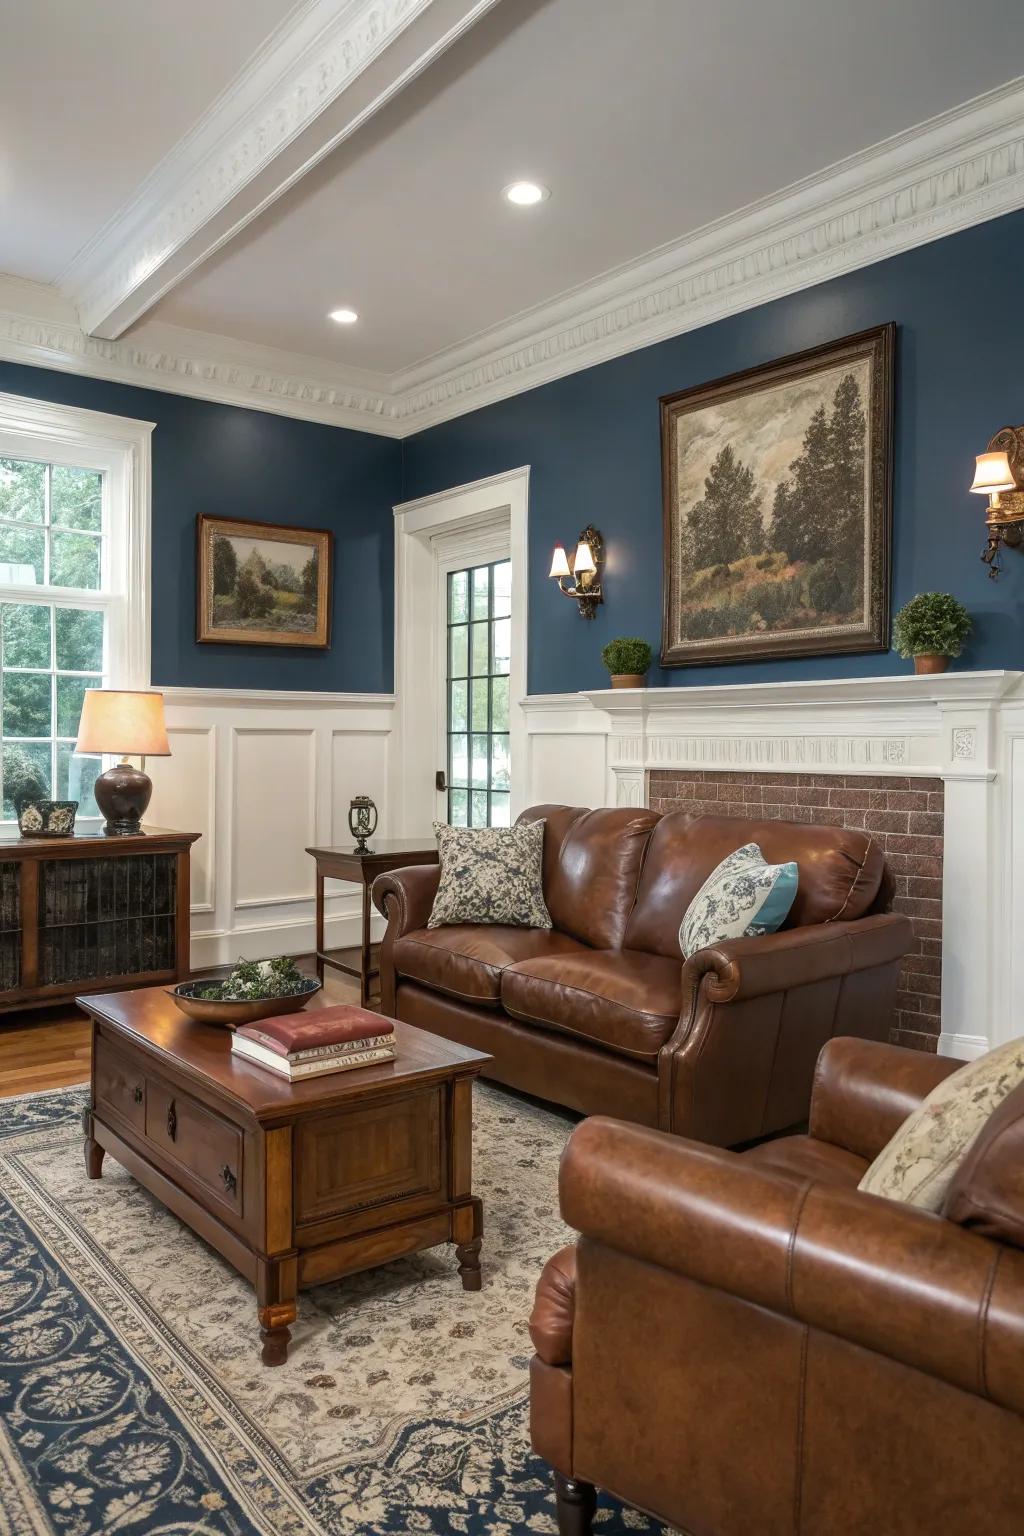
(43, 1050)
(51, 1049)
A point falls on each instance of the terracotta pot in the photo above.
(628, 679)
(931, 663)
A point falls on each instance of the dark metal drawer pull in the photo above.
(172, 1120)
(137, 1094)
(230, 1182)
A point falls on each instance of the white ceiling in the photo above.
(647, 120)
(93, 93)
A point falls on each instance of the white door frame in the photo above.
(430, 535)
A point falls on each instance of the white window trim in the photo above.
(430, 532)
(120, 446)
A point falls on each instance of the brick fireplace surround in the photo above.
(904, 815)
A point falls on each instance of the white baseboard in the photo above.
(966, 1047)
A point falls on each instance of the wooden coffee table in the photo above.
(294, 1183)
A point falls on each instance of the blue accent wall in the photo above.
(250, 464)
(592, 441)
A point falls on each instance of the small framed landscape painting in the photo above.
(777, 489)
(262, 583)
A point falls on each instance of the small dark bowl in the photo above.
(209, 1010)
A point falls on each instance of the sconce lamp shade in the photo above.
(117, 721)
(559, 564)
(584, 560)
(993, 473)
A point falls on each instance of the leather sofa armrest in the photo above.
(554, 1307)
(737, 969)
(902, 1282)
(406, 896)
(864, 1090)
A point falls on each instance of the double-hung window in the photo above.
(73, 609)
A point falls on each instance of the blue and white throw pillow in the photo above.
(742, 897)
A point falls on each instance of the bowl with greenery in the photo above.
(255, 989)
(932, 627)
(627, 659)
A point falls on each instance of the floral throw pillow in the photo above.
(742, 897)
(491, 875)
(919, 1163)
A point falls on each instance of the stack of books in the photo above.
(301, 1045)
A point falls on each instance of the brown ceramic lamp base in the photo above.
(930, 663)
(122, 794)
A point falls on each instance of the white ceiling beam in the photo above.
(325, 71)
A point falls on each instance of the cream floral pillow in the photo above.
(919, 1163)
(491, 875)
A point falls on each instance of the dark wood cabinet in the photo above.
(91, 913)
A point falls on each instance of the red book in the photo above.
(314, 1034)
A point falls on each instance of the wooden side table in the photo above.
(361, 869)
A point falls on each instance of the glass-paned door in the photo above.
(479, 658)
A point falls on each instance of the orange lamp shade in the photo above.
(129, 723)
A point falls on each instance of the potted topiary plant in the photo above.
(627, 659)
(932, 627)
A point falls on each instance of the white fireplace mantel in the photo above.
(966, 727)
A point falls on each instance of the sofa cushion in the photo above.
(987, 1193)
(593, 888)
(626, 1002)
(467, 960)
(840, 872)
(918, 1165)
(557, 820)
(490, 875)
(805, 1157)
(740, 899)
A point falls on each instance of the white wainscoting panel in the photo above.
(273, 815)
(184, 796)
(262, 776)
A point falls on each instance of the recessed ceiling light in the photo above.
(343, 316)
(524, 193)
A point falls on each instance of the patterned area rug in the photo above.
(131, 1393)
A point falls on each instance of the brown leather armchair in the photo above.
(600, 1012)
(745, 1343)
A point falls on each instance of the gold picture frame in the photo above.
(262, 583)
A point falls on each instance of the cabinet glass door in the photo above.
(479, 656)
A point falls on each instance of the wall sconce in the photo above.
(999, 475)
(588, 559)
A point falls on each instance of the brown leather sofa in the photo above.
(601, 1014)
(743, 1343)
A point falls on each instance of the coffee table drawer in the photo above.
(370, 1155)
(197, 1140)
(119, 1085)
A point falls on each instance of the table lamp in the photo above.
(119, 722)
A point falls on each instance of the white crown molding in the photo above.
(322, 73)
(955, 171)
(38, 327)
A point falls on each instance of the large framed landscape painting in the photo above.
(778, 507)
(262, 583)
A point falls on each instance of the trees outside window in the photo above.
(53, 622)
